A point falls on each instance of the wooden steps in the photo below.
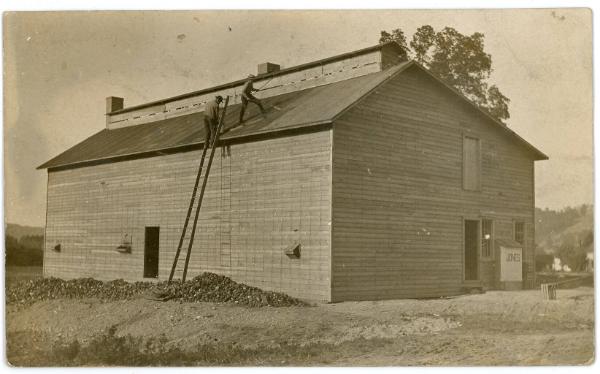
(473, 287)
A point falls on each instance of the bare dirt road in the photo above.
(495, 328)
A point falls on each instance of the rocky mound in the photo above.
(207, 287)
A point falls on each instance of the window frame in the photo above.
(490, 255)
(524, 232)
(478, 168)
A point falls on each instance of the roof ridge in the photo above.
(259, 77)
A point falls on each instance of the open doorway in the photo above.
(471, 249)
(151, 240)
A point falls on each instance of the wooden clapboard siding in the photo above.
(389, 57)
(398, 201)
(260, 198)
(471, 164)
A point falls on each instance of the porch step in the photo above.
(473, 287)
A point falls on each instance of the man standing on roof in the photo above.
(211, 118)
(248, 97)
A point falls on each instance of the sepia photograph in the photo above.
(298, 188)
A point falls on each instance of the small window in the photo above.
(520, 232)
(486, 238)
(471, 164)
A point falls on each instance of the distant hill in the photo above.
(18, 231)
(569, 226)
(23, 245)
(567, 234)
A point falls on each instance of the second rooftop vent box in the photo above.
(268, 67)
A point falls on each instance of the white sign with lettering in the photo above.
(511, 264)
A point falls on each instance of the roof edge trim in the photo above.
(308, 127)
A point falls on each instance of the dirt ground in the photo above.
(495, 328)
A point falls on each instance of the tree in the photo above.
(543, 261)
(459, 60)
(25, 252)
(572, 255)
(32, 242)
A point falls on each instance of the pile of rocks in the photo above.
(218, 288)
(55, 288)
(207, 287)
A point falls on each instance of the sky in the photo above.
(60, 66)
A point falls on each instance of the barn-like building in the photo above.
(390, 183)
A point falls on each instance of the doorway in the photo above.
(151, 240)
(471, 249)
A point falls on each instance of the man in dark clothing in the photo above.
(248, 97)
(211, 118)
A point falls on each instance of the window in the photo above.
(471, 164)
(486, 238)
(519, 232)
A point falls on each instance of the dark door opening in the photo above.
(151, 240)
(471, 249)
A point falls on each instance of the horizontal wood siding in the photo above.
(261, 197)
(398, 197)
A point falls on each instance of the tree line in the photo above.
(566, 234)
(26, 251)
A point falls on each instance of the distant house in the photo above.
(589, 261)
(392, 183)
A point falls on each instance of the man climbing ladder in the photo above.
(211, 118)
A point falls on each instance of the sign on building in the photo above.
(511, 264)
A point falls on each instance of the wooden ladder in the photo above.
(212, 146)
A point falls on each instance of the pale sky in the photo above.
(59, 67)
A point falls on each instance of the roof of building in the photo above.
(311, 107)
(392, 45)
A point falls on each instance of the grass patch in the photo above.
(109, 349)
(22, 273)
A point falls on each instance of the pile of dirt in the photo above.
(207, 287)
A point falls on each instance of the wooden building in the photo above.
(392, 184)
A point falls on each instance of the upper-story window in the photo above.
(471, 164)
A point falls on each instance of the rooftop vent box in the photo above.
(114, 103)
(268, 67)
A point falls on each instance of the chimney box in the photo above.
(113, 103)
(268, 67)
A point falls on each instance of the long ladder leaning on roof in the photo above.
(212, 145)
